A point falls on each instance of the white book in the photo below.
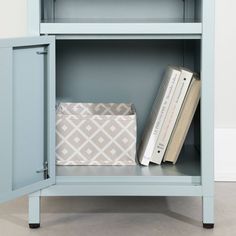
(159, 109)
(171, 116)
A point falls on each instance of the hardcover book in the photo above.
(171, 115)
(158, 113)
(183, 122)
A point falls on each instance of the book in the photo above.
(184, 121)
(157, 115)
(171, 116)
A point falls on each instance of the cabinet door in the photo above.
(27, 120)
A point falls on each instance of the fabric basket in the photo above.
(96, 134)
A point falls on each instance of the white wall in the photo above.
(13, 18)
(225, 87)
(13, 22)
(225, 91)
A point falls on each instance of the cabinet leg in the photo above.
(34, 210)
(208, 212)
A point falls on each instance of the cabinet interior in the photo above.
(117, 71)
(120, 11)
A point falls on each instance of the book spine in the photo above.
(171, 116)
(159, 115)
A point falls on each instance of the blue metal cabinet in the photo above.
(105, 56)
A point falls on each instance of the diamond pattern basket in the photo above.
(96, 134)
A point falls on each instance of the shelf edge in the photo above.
(122, 29)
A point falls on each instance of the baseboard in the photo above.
(225, 155)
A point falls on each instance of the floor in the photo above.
(121, 216)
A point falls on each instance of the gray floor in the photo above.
(122, 216)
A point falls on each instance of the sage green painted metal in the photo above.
(50, 118)
(86, 18)
(207, 109)
(179, 180)
(127, 36)
(18, 144)
(174, 29)
(117, 71)
(28, 118)
(198, 10)
(27, 41)
(122, 189)
(162, 180)
(189, 9)
(123, 185)
(34, 208)
(208, 209)
(188, 166)
(47, 10)
(6, 129)
(34, 17)
(108, 9)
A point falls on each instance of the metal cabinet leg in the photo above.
(208, 212)
(34, 210)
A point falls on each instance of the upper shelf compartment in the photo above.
(122, 17)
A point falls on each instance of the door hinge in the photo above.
(44, 170)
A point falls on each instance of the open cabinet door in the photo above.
(27, 120)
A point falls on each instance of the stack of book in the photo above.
(171, 116)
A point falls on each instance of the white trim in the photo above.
(225, 155)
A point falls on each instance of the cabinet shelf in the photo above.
(182, 179)
(122, 27)
(121, 20)
(187, 165)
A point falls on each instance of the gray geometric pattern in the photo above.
(96, 134)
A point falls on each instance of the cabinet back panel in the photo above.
(126, 9)
(116, 71)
